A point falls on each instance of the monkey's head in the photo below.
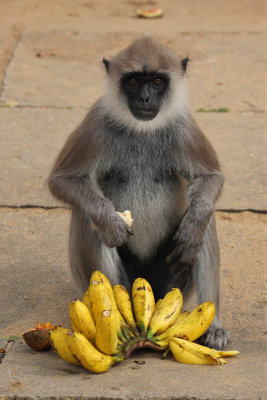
(146, 85)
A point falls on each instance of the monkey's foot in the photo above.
(215, 337)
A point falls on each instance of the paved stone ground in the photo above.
(50, 66)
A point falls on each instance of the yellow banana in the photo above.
(158, 303)
(86, 300)
(81, 319)
(106, 338)
(163, 343)
(193, 326)
(88, 356)
(97, 297)
(191, 353)
(124, 303)
(181, 317)
(143, 304)
(99, 276)
(166, 313)
(228, 353)
(58, 339)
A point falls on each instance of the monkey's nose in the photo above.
(144, 95)
(144, 99)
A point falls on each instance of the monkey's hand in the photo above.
(114, 231)
(189, 240)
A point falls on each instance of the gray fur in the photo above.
(165, 171)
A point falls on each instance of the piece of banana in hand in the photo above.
(127, 217)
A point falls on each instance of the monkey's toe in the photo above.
(215, 338)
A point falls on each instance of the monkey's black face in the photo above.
(145, 93)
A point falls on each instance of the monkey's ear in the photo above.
(184, 63)
(107, 64)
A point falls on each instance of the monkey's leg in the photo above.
(207, 283)
(87, 252)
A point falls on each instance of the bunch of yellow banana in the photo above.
(99, 330)
(108, 325)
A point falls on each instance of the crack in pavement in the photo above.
(12, 56)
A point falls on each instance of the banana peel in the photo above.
(192, 353)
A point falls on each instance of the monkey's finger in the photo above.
(130, 231)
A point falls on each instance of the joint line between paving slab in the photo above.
(25, 206)
(55, 107)
(4, 82)
(34, 206)
(236, 210)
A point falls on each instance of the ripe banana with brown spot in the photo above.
(81, 319)
(58, 337)
(99, 276)
(191, 353)
(88, 356)
(97, 297)
(106, 338)
(143, 304)
(166, 313)
(193, 326)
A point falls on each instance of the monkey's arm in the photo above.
(201, 168)
(72, 180)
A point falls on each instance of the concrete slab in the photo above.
(240, 143)
(31, 139)
(99, 16)
(28, 374)
(36, 283)
(9, 34)
(63, 69)
(8, 41)
(35, 279)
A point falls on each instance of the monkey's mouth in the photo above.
(143, 114)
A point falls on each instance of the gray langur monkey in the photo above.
(139, 149)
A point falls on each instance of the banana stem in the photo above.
(125, 331)
(166, 352)
(122, 337)
(140, 343)
(118, 357)
(134, 330)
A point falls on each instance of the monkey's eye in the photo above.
(157, 82)
(132, 82)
